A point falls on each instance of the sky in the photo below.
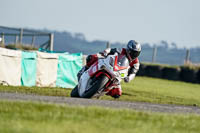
(146, 21)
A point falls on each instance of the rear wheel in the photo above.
(96, 85)
(74, 92)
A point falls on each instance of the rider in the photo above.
(132, 51)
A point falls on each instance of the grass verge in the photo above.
(32, 117)
(46, 91)
(142, 89)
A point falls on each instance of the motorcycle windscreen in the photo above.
(121, 63)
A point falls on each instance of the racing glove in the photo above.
(129, 78)
(132, 73)
(109, 51)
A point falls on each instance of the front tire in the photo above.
(74, 92)
(99, 83)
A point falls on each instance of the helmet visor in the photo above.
(134, 54)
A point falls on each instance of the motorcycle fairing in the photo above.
(93, 69)
(83, 82)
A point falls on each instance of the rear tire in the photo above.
(100, 82)
(74, 92)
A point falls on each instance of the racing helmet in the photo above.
(133, 49)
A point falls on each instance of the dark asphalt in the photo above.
(177, 109)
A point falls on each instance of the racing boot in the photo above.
(115, 92)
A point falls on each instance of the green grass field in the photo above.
(34, 117)
(142, 89)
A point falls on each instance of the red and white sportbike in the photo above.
(100, 77)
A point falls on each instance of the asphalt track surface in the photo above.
(139, 106)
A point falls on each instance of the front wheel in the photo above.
(74, 92)
(95, 86)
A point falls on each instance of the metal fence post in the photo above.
(16, 39)
(154, 54)
(3, 39)
(21, 35)
(187, 57)
(33, 41)
(108, 45)
(51, 36)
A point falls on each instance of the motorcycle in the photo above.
(100, 77)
